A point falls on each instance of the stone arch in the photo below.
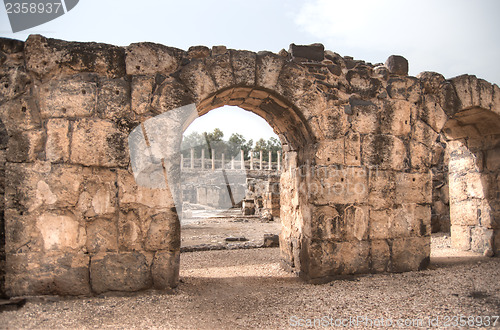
(469, 114)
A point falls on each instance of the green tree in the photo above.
(265, 146)
(214, 141)
(238, 142)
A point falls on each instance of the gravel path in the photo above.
(236, 289)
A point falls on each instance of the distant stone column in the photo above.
(213, 160)
(242, 153)
(192, 158)
(203, 158)
(279, 161)
(222, 161)
(270, 161)
(251, 159)
(260, 159)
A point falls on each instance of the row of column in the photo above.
(242, 162)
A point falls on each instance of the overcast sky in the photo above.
(452, 37)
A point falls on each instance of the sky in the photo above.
(451, 37)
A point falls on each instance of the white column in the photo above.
(192, 158)
(232, 163)
(260, 160)
(270, 161)
(242, 153)
(203, 159)
(213, 159)
(222, 161)
(251, 159)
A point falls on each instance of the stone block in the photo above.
(464, 213)
(102, 236)
(330, 152)
(221, 70)
(397, 64)
(395, 117)
(383, 152)
(198, 52)
(481, 239)
(68, 97)
(196, 77)
(423, 133)
(364, 117)
(21, 234)
(413, 188)
(130, 230)
(46, 56)
(165, 269)
(420, 156)
(141, 93)
(98, 143)
(493, 160)
(470, 185)
(24, 147)
(410, 254)
(496, 242)
(268, 69)
(164, 232)
(61, 232)
(125, 271)
(405, 88)
(21, 114)
(432, 113)
(13, 79)
(382, 189)
(463, 161)
(380, 224)
(57, 145)
(333, 123)
(53, 273)
(313, 52)
(99, 192)
(244, 64)
(380, 255)
(338, 186)
(113, 100)
(147, 58)
(460, 237)
(352, 149)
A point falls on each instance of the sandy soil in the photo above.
(236, 289)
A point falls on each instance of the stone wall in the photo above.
(356, 187)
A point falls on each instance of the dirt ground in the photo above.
(237, 289)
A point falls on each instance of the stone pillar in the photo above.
(192, 158)
(222, 161)
(251, 159)
(270, 167)
(242, 153)
(202, 159)
(213, 160)
(260, 160)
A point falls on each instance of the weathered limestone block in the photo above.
(102, 236)
(432, 113)
(61, 232)
(57, 145)
(221, 70)
(125, 271)
(97, 142)
(113, 100)
(352, 149)
(448, 99)
(165, 269)
(197, 79)
(420, 156)
(431, 82)
(460, 236)
(380, 255)
(53, 273)
(397, 64)
(462, 160)
(164, 232)
(473, 92)
(99, 192)
(394, 118)
(26, 146)
(404, 221)
(11, 46)
(405, 88)
(131, 193)
(32, 186)
(171, 95)
(350, 225)
(383, 151)
(268, 70)
(330, 152)
(21, 234)
(46, 56)
(21, 114)
(13, 77)
(293, 82)
(464, 213)
(365, 116)
(198, 52)
(413, 188)
(243, 63)
(147, 58)
(410, 253)
(338, 186)
(493, 160)
(332, 123)
(481, 239)
(382, 189)
(73, 96)
(423, 133)
(131, 229)
(141, 93)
